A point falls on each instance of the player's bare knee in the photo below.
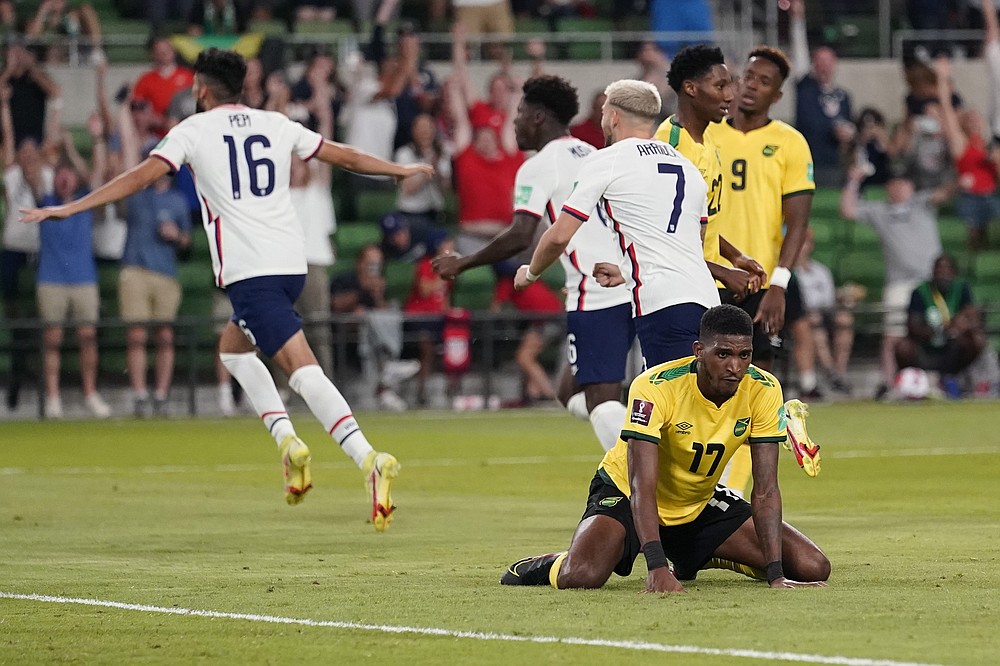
(814, 566)
(581, 574)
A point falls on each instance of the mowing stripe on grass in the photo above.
(477, 462)
(474, 635)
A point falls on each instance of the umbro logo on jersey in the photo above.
(642, 411)
(683, 428)
(770, 149)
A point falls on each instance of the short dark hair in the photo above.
(553, 93)
(725, 319)
(775, 56)
(223, 72)
(693, 62)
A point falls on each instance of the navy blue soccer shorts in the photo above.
(263, 309)
(669, 334)
(598, 343)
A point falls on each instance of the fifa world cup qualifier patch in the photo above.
(642, 411)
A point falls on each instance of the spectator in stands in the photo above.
(484, 16)
(964, 130)
(486, 162)
(370, 114)
(494, 110)
(67, 290)
(157, 86)
(313, 203)
(906, 223)
(8, 18)
(826, 332)
(70, 20)
(822, 108)
(693, 16)
(321, 71)
(254, 94)
(362, 292)
(32, 93)
(149, 293)
(409, 239)
(279, 97)
(322, 11)
(218, 17)
(872, 147)
(653, 65)
(945, 334)
(430, 298)
(27, 178)
(420, 199)
(536, 335)
(419, 91)
(589, 129)
(921, 148)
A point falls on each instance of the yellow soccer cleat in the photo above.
(295, 459)
(798, 442)
(380, 469)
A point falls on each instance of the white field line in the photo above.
(475, 635)
(476, 462)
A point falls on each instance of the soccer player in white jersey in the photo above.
(241, 159)
(598, 320)
(655, 201)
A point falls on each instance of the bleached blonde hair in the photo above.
(636, 98)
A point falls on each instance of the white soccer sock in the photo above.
(577, 405)
(257, 383)
(607, 419)
(807, 381)
(328, 405)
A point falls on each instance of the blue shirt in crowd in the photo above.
(66, 252)
(146, 211)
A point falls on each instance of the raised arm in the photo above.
(120, 187)
(799, 41)
(508, 139)
(851, 193)
(459, 111)
(957, 141)
(8, 148)
(99, 148)
(643, 471)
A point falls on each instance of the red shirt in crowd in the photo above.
(590, 132)
(431, 293)
(485, 187)
(158, 89)
(976, 172)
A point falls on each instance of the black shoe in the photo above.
(882, 392)
(812, 394)
(530, 570)
(840, 386)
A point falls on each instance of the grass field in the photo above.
(166, 517)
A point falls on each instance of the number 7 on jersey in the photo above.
(678, 171)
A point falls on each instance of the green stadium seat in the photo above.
(350, 238)
(474, 289)
(372, 205)
(336, 27)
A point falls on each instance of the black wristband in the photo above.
(655, 557)
(773, 571)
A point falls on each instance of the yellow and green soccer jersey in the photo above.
(696, 437)
(706, 157)
(762, 168)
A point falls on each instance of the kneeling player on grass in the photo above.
(656, 491)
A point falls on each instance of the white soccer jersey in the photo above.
(241, 158)
(543, 184)
(654, 200)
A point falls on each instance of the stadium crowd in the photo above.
(387, 100)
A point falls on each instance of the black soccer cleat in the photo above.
(530, 570)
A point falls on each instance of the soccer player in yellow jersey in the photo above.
(657, 491)
(699, 76)
(768, 191)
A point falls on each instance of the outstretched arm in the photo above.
(851, 193)
(348, 157)
(956, 139)
(120, 187)
(514, 239)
